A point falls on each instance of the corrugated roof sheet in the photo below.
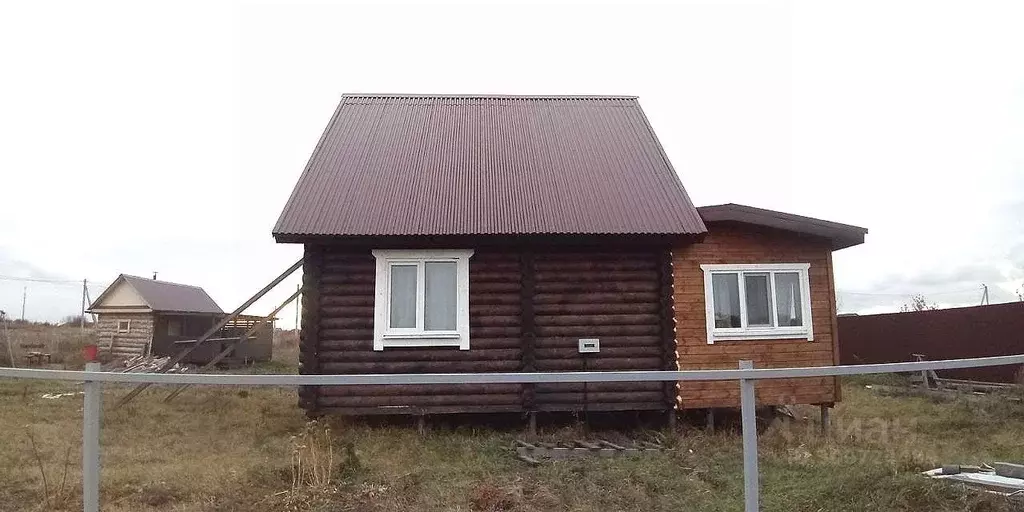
(472, 165)
(163, 296)
(842, 235)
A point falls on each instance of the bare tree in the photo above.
(918, 303)
(75, 320)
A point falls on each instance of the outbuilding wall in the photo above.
(734, 243)
(529, 305)
(257, 348)
(132, 343)
(192, 327)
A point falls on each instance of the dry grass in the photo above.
(234, 449)
(63, 343)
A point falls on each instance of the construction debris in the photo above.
(145, 364)
(1001, 478)
(930, 380)
(1009, 470)
(54, 396)
(535, 453)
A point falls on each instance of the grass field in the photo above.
(64, 344)
(244, 449)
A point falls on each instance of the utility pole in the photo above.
(82, 318)
(7, 339)
(24, 293)
(984, 294)
(88, 300)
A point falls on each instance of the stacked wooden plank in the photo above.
(539, 451)
(146, 364)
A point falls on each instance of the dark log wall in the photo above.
(528, 308)
(345, 340)
(257, 348)
(192, 327)
(613, 297)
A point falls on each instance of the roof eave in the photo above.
(840, 235)
(315, 238)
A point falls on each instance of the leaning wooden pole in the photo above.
(213, 330)
(224, 353)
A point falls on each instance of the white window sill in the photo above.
(765, 334)
(425, 339)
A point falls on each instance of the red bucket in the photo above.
(89, 352)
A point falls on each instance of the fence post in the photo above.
(91, 410)
(748, 406)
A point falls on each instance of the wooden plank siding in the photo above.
(128, 344)
(528, 307)
(728, 243)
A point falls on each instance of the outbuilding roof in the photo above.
(162, 296)
(400, 165)
(841, 235)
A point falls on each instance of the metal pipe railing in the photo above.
(746, 374)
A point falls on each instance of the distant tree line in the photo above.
(918, 303)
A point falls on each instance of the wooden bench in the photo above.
(34, 353)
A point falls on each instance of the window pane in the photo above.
(403, 296)
(788, 299)
(758, 300)
(726, 291)
(439, 305)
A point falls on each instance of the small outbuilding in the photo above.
(139, 316)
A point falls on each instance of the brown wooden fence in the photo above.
(955, 333)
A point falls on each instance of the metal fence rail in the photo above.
(746, 374)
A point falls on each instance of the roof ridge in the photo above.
(162, 282)
(494, 96)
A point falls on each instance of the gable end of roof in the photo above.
(436, 164)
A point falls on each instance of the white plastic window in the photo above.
(422, 298)
(757, 301)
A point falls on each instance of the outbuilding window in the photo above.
(124, 326)
(422, 299)
(174, 327)
(757, 301)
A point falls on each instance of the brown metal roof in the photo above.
(842, 235)
(163, 296)
(393, 165)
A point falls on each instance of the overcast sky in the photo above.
(140, 137)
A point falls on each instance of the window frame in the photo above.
(745, 332)
(127, 329)
(178, 322)
(385, 336)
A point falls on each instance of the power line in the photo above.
(47, 281)
(911, 294)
